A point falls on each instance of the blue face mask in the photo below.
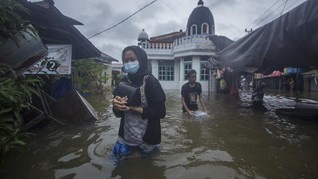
(131, 67)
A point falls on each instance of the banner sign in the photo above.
(57, 55)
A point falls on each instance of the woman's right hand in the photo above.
(119, 103)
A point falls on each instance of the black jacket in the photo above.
(154, 111)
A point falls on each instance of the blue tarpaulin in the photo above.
(61, 87)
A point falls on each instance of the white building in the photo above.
(172, 54)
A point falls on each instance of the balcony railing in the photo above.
(195, 42)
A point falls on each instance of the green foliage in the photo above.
(15, 92)
(89, 77)
(10, 137)
(120, 76)
(11, 22)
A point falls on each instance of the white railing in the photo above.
(147, 45)
(193, 42)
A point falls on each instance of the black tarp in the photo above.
(289, 41)
(221, 42)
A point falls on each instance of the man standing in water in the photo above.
(189, 94)
(258, 93)
(140, 123)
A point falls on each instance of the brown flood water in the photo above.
(235, 141)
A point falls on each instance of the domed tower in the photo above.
(143, 36)
(201, 21)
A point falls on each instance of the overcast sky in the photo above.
(231, 18)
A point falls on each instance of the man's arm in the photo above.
(202, 103)
(186, 107)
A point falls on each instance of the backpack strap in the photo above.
(142, 89)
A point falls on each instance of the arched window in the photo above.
(194, 29)
(205, 28)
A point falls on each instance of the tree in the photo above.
(89, 77)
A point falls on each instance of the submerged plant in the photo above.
(15, 94)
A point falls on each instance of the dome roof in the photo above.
(200, 15)
(143, 36)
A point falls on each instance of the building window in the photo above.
(205, 28)
(193, 29)
(166, 71)
(187, 67)
(204, 72)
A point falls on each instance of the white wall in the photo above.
(179, 77)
